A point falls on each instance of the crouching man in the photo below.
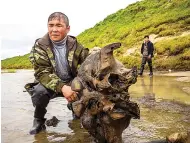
(55, 58)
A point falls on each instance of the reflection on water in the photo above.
(79, 135)
(160, 116)
(162, 87)
(148, 89)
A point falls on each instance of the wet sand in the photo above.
(164, 109)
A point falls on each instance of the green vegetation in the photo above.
(129, 25)
(9, 71)
(18, 62)
(174, 46)
(165, 19)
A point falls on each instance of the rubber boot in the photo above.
(141, 71)
(151, 71)
(38, 125)
(39, 120)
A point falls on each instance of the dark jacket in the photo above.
(150, 48)
(43, 60)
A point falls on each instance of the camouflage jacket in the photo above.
(42, 58)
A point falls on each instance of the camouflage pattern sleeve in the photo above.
(44, 71)
(83, 55)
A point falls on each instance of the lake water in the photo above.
(167, 114)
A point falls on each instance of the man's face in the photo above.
(57, 29)
(146, 39)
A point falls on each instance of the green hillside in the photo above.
(18, 62)
(166, 21)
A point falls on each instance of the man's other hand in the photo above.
(68, 93)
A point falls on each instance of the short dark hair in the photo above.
(59, 16)
(146, 36)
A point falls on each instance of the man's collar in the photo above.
(45, 41)
(147, 42)
(59, 43)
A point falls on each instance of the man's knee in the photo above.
(150, 65)
(143, 64)
(150, 62)
(143, 61)
(40, 96)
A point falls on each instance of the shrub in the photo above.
(173, 46)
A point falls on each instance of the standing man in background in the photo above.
(147, 50)
(56, 58)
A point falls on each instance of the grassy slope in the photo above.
(129, 26)
(18, 62)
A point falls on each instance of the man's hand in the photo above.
(149, 56)
(68, 93)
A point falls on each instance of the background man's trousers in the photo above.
(144, 60)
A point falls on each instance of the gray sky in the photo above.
(23, 21)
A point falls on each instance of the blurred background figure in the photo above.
(147, 50)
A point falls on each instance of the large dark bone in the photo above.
(104, 105)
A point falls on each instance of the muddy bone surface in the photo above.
(104, 105)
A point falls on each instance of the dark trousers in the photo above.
(143, 63)
(40, 98)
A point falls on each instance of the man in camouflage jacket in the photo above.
(56, 58)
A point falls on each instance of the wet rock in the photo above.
(104, 104)
(52, 122)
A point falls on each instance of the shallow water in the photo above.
(166, 115)
(163, 87)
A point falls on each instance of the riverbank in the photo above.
(160, 73)
(16, 70)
